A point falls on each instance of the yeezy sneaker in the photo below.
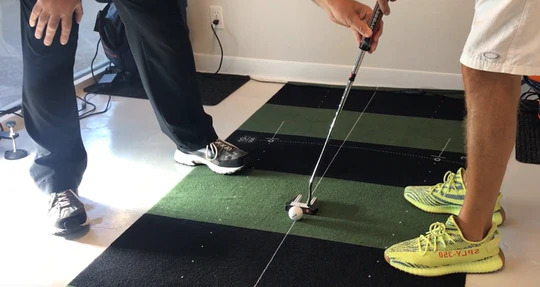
(220, 156)
(66, 212)
(443, 250)
(446, 197)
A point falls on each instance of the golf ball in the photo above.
(295, 213)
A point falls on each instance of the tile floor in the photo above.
(125, 151)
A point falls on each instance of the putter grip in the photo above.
(375, 18)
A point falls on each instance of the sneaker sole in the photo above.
(191, 160)
(489, 265)
(76, 228)
(498, 216)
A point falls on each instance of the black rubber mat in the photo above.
(214, 87)
(528, 133)
(163, 251)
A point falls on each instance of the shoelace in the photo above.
(437, 233)
(215, 148)
(61, 199)
(448, 183)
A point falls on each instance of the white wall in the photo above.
(295, 40)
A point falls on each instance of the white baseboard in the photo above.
(283, 71)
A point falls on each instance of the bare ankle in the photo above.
(469, 230)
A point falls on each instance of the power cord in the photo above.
(215, 23)
(85, 100)
(90, 112)
(93, 59)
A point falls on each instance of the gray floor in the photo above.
(10, 48)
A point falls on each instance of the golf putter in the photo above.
(311, 206)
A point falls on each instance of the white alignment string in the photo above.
(345, 140)
(290, 228)
(274, 255)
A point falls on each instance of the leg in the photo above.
(52, 121)
(492, 103)
(494, 57)
(159, 40)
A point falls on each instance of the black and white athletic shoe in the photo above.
(220, 156)
(66, 212)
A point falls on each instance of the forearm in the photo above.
(322, 3)
(335, 4)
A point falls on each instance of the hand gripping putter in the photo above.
(311, 207)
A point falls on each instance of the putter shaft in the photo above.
(365, 46)
(352, 77)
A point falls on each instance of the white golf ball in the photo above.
(295, 213)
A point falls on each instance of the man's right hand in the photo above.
(385, 8)
(50, 13)
(355, 15)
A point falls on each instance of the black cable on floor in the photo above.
(93, 59)
(89, 113)
(85, 100)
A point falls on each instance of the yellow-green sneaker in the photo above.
(444, 250)
(446, 197)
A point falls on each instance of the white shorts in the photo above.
(504, 37)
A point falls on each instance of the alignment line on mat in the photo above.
(290, 228)
(445, 146)
(439, 157)
(278, 129)
(271, 140)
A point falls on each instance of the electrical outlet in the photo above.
(216, 12)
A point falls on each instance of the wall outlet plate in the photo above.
(216, 12)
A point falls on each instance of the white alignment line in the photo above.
(278, 130)
(445, 146)
(290, 228)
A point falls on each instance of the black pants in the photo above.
(160, 44)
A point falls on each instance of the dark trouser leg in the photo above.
(162, 49)
(50, 108)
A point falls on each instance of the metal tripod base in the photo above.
(310, 209)
(14, 155)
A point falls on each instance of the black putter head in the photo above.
(310, 209)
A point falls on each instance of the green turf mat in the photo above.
(383, 129)
(351, 212)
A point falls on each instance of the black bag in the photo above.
(113, 39)
(112, 31)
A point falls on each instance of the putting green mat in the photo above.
(213, 230)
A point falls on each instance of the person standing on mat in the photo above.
(159, 40)
(503, 45)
